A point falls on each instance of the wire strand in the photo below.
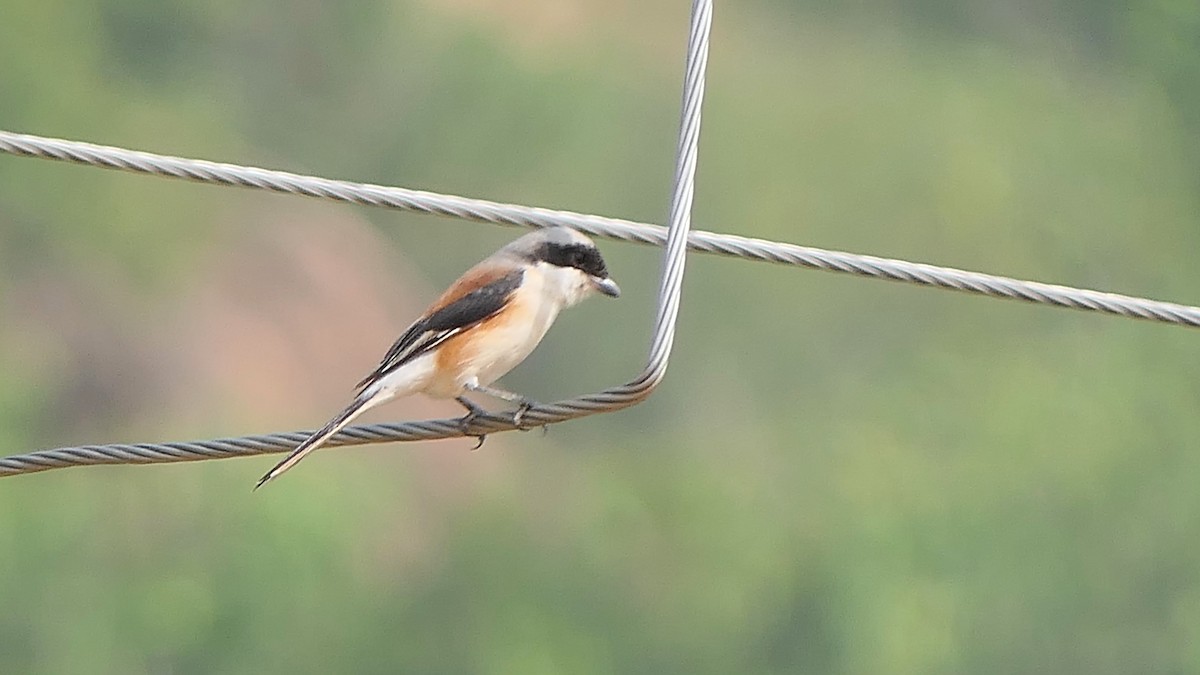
(480, 210)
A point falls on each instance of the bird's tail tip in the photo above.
(363, 402)
(263, 481)
(288, 462)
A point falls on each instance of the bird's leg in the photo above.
(473, 410)
(523, 403)
(464, 422)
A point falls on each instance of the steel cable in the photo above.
(612, 228)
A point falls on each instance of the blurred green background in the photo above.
(838, 475)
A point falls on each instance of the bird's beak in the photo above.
(606, 286)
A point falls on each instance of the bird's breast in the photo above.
(496, 345)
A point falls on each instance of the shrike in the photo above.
(485, 324)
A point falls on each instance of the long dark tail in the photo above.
(361, 404)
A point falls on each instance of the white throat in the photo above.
(565, 286)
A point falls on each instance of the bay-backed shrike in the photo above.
(485, 324)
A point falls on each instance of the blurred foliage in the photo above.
(839, 476)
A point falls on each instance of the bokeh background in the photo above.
(837, 476)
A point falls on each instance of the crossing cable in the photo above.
(616, 398)
(700, 241)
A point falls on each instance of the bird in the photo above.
(484, 325)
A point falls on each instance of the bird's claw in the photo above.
(464, 424)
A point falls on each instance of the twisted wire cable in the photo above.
(608, 400)
(480, 210)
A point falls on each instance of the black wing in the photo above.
(444, 323)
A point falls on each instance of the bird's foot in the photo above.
(464, 425)
(519, 415)
(464, 422)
